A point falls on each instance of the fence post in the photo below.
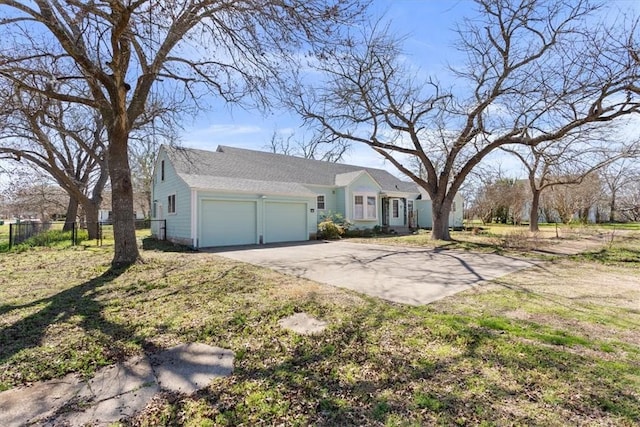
(73, 234)
(10, 235)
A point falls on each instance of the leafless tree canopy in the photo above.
(569, 161)
(535, 72)
(621, 182)
(29, 193)
(109, 56)
(316, 148)
(574, 200)
(66, 141)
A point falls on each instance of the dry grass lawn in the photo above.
(558, 344)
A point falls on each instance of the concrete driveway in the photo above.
(401, 274)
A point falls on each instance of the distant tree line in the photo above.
(611, 194)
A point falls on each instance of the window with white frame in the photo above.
(320, 202)
(171, 204)
(365, 206)
(395, 208)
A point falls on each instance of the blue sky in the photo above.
(428, 25)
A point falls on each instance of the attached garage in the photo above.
(285, 222)
(228, 222)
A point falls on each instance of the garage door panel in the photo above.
(285, 222)
(228, 222)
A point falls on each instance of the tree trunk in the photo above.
(72, 214)
(440, 213)
(612, 206)
(91, 209)
(124, 232)
(534, 211)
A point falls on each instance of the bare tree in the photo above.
(618, 177)
(64, 140)
(629, 200)
(30, 193)
(316, 148)
(572, 200)
(502, 200)
(563, 162)
(108, 56)
(536, 71)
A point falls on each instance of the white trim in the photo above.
(324, 202)
(194, 218)
(249, 192)
(357, 176)
(400, 194)
(365, 204)
(175, 200)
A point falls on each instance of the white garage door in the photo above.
(227, 222)
(285, 222)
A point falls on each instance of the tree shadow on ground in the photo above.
(78, 305)
(347, 377)
(153, 244)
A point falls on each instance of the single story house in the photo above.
(234, 196)
(105, 213)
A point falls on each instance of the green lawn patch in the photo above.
(614, 255)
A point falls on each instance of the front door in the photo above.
(396, 211)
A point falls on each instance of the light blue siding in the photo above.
(340, 205)
(207, 215)
(456, 217)
(330, 202)
(423, 209)
(425, 213)
(366, 186)
(178, 223)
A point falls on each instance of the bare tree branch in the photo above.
(537, 72)
(110, 56)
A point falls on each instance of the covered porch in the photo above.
(398, 214)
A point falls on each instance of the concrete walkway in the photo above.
(115, 391)
(406, 275)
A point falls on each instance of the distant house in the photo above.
(236, 196)
(105, 213)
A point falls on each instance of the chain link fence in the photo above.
(46, 233)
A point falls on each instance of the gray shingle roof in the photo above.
(198, 167)
(246, 185)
